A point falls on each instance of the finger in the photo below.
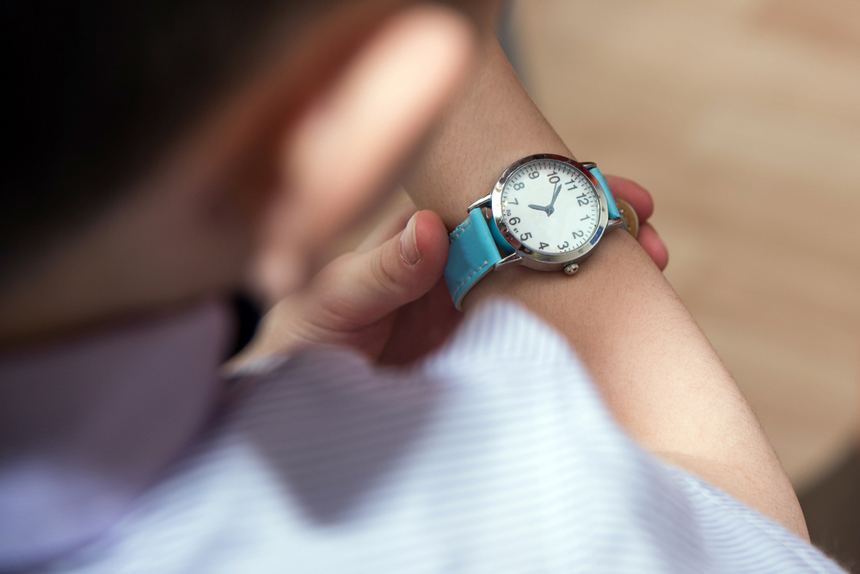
(361, 288)
(653, 245)
(634, 194)
(390, 226)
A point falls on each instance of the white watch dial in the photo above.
(550, 206)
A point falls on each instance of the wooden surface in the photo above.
(743, 119)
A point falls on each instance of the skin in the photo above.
(249, 198)
(657, 371)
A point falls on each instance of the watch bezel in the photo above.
(536, 259)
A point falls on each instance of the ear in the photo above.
(355, 136)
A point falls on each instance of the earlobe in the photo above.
(355, 136)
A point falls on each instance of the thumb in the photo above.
(360, 288)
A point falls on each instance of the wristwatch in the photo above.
(546, 212)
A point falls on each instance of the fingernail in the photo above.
(409, 243)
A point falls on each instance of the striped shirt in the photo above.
(493, 455)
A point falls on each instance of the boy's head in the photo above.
(161, 151)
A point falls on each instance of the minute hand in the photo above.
(554, 197)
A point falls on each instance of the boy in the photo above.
(275, 126)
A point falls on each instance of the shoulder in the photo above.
(493, 454)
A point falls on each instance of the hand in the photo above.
(373, 300)
(643, 204)
(549, 208)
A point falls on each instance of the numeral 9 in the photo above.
(534, 175)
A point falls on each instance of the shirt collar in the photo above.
(87, 425)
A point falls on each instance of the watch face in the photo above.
(550, 206)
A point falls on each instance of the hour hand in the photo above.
(543, 208)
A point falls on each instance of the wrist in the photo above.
(472, 147)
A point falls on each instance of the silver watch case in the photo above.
(523, 255)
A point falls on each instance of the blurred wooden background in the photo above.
(742, 117)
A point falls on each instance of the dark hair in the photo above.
(96, 89)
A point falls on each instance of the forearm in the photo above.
(658, 373)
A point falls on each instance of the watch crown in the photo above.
(571, 268)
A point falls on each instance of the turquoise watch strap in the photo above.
(471, 255)
(474, 250)
(613, 208)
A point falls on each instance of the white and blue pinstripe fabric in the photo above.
(493, 455)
